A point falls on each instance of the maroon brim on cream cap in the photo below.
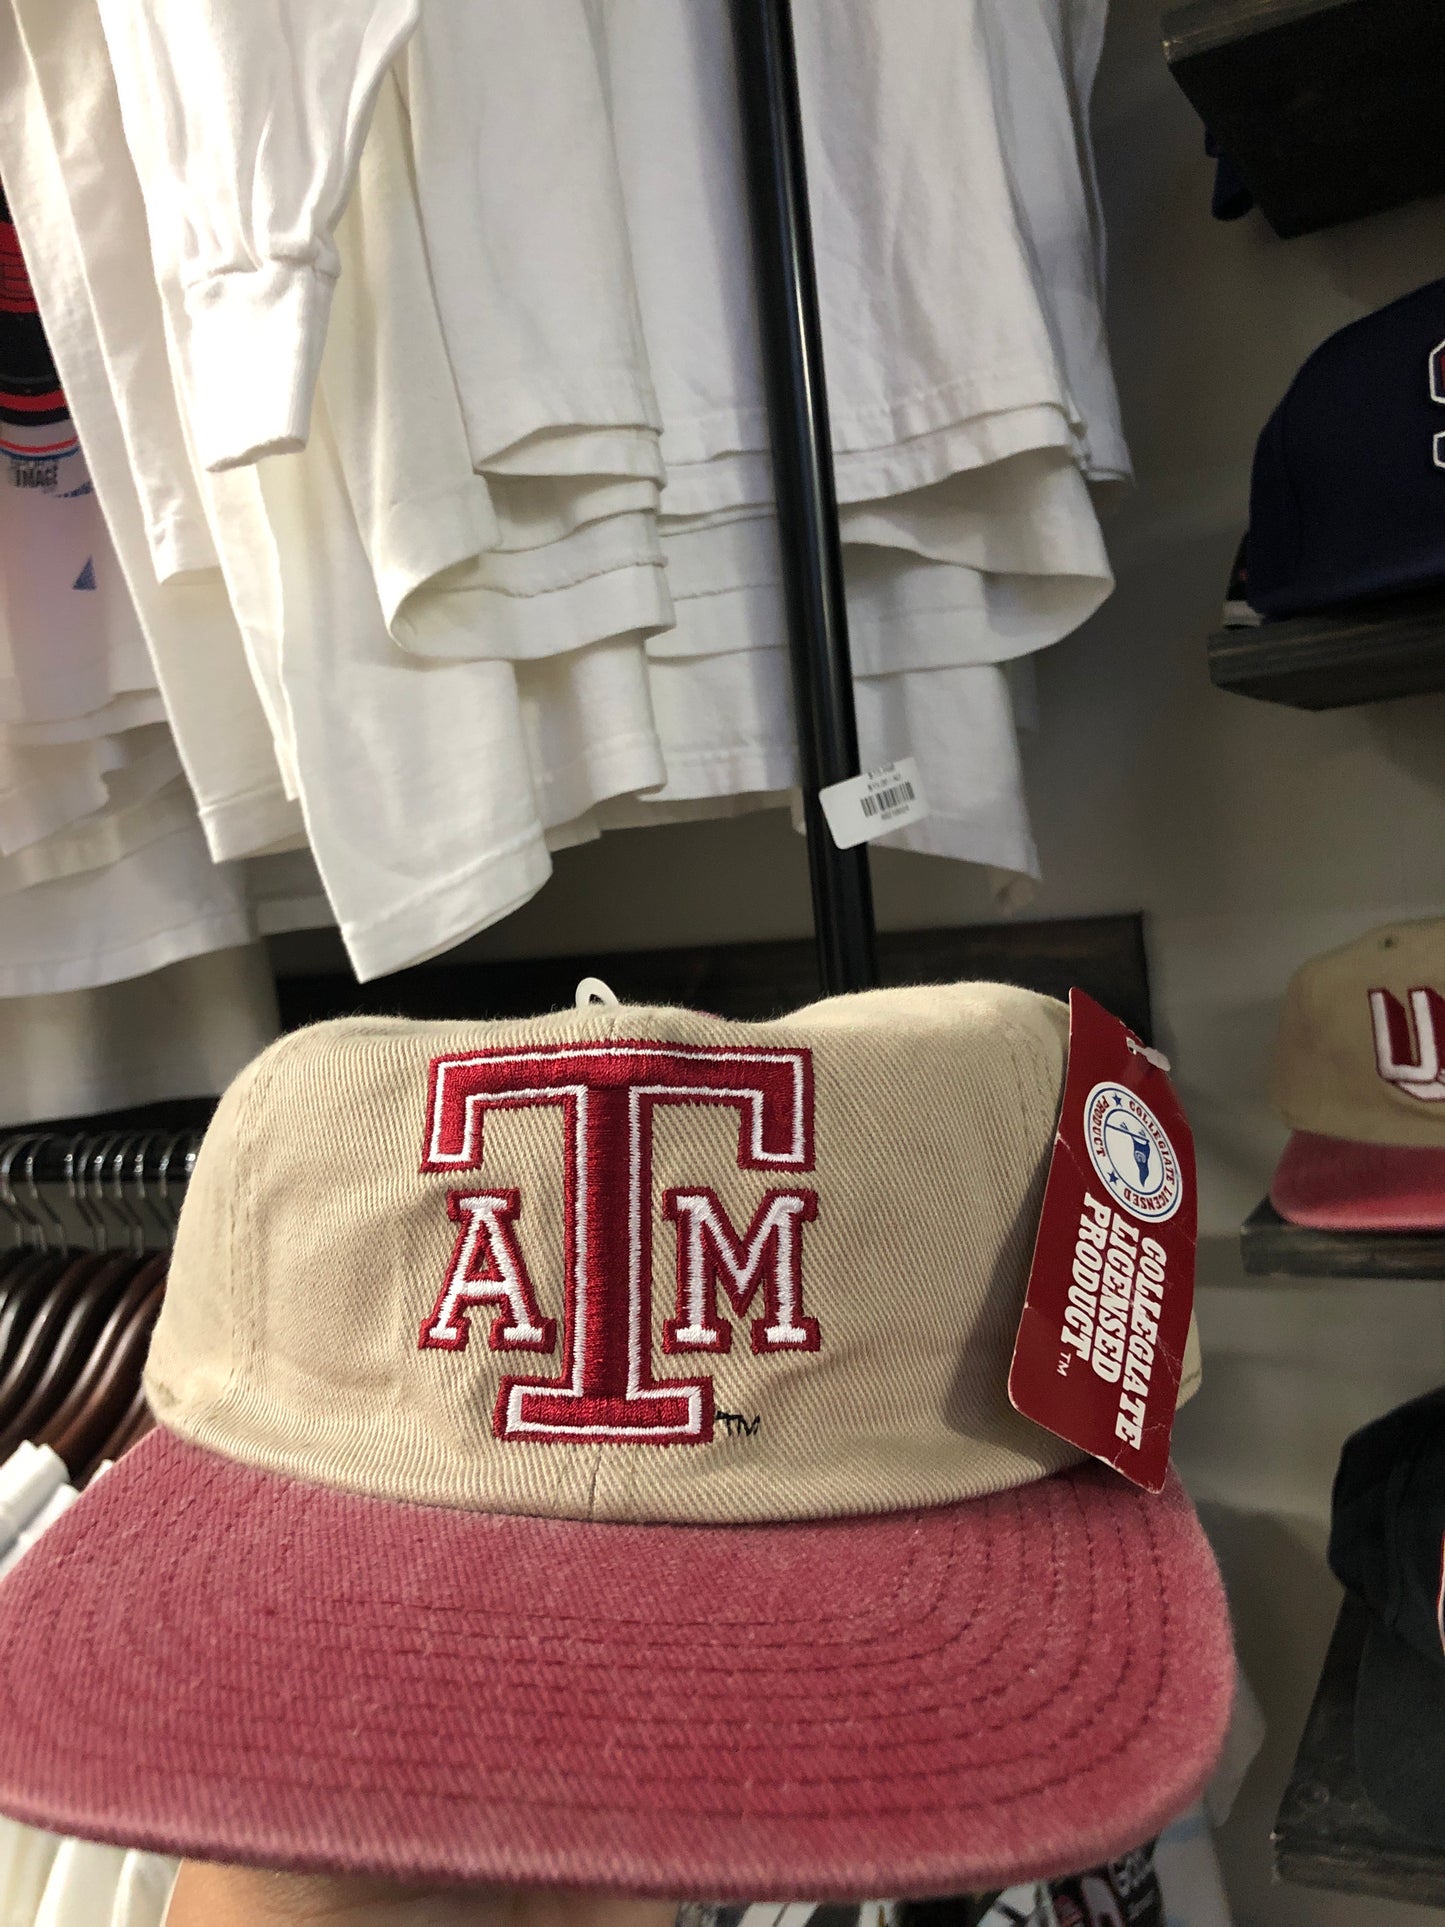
(1359, 1077)
(916, 1702)
(586, 1461)
(1336, 1184)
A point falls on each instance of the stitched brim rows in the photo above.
(1019, 1684)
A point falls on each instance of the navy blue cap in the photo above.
(1231, 199)
(1348, 498)
(1387, 1545)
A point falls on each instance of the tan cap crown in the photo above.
(626, 1263)
(1361, 1047)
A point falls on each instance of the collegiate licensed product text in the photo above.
(1101, 1344)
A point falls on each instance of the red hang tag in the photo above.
(1101, 1344)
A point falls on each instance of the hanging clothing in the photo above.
(433, 440)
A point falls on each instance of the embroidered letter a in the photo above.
(487, 1268)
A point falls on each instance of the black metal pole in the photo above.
(802, 446)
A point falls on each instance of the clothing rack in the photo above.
(112, 1186)
(802, 447)
(91, 1217)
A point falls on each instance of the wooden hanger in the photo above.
(102, 1394)
(57, 1290)
(21, 1300)
(21, 1263)
(59, 1340)
(30, 1262)
(83, 1347)
(138, 1421)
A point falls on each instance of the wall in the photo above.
(1252, 836)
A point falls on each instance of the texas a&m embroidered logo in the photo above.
(609, 1094)
(1411, 1063)
(1437, 394)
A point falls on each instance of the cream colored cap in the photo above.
(626, 1263)
(1361, 1047)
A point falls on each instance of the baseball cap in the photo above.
(1386, 1537)
(585, 1460)
(1347, 500)
(1359, 1074)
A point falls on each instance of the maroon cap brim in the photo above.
(1336, 1184)
(215, 1661)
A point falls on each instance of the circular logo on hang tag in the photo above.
(1131, 1151)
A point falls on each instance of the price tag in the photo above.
(874, 803)
(1100, 1350)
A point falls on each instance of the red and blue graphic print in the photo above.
(35, 427)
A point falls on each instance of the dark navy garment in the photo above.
(1231, 199)
(1348, 497)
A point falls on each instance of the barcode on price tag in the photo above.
(880, 800)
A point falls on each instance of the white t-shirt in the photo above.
(183, 1030)
(26, 1858)
(1043, 56)
(726, 726)
(968, 531)
(428, 786)
(509, 567)
(931, 322)
(43, 791)
(959, 723)
(221, 730)
(65, 51)
(93, 841)
(390, 395)
(73, 660)
(522, 208)
(913, 140)
(143, 1892)
(554, 574)
(259, 109)
(725, 723)
(552, 564)
(137, 710)
(985, 565)
(82, 1885)
(153, 907)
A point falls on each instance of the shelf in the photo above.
(1362, 655)
(1328, 1832)
(1273, 1248)
(1103, 955)
(1329, 109)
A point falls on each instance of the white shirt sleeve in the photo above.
(245, 119)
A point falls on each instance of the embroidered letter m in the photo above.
(711, 1255)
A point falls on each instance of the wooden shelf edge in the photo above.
(1327, 108)
(1382, 1879)
(1328, 1833)
(1270, 1247)
(1373, 654)
(1199, 26)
